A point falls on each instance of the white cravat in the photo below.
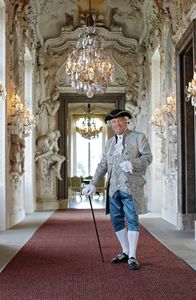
(119, 145)
(120, 138)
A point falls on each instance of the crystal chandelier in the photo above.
(88, 65)
(88, 128)
(20, 116)
(191, 91)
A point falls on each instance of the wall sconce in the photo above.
(164, 112)
(2, 91)
(191, 91)
(20, 118)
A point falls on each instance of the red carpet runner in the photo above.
(62, 262)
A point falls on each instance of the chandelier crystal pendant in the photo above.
(88, 65)
(88, 128)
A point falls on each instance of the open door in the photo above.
(186, 60)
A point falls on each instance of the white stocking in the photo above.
(123, 239)
(133, 240)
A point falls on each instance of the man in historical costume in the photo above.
(125, 158)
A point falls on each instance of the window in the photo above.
(88, 154)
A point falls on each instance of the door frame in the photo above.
(65, 99)
(185, 62)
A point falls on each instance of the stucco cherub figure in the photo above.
(16, 155)
(132, 107)
(49, 108)
(47, 148)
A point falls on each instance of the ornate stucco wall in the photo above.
(132, 42)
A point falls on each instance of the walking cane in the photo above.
(96, 229)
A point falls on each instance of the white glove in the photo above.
(89, 189)
(127, 166)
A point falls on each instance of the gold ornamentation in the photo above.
(165, 113)
(19, 116)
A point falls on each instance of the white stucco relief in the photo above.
(50, 160)
(48, 110)
(111, 39)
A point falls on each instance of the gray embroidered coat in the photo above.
(137, 150)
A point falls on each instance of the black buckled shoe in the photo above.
(120, 258)
(133, 264)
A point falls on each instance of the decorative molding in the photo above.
(32, 15)
(109, 90)
(16, 159)
(47, 111)
(111, 39)
(185, 14)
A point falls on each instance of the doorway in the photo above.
(71, 105)
(88, 135)
(186, 60)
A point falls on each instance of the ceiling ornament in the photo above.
(89, 66)
(114, 41)
(111, 39)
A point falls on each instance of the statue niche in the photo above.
(47, 149)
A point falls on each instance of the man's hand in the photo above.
(89, 189)
(126, 166)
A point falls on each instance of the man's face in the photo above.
(119, 125)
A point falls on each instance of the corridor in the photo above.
(181, 243)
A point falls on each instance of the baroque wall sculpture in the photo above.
(50, 162)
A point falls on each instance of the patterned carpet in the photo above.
(62, 261)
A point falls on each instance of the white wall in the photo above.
(154, 199)
(29, 175)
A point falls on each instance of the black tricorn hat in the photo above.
(116, 113)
